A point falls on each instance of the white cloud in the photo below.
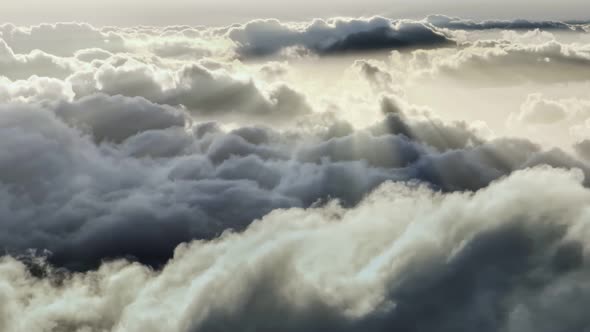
(205, 93)
(36, 63)
(501, 62)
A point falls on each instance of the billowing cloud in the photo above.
(99, 114)
(135, 178)
(500, 259)
(34, 89)
(203, 92)
(583, 149)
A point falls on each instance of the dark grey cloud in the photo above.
(267, 37)
(428, 130)
(338, 35)
(99, 114)
(583, 149)
(120, 176)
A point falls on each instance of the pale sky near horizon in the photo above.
(220, 12)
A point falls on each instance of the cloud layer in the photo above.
(500, 259)
(294, 176)
(75, 174)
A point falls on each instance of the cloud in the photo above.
(162, 179)
(443, 21)
(36, 63)
(422, 126)
(498, 259)
(552, 117)
(123, 177)
(89, 54)
(378, 77)
(583, 149)
(267, 37)
(498, 62)
(538, 111)
(214, 93)
(100, 113)
(274, 70)
(203, 92)
(34, 89)
(61, 39)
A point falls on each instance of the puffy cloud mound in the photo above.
(100, 113)
(583, 149)
(36, 63)
(214, 94)
(499, 259)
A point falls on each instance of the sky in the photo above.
(222, 12)
(206, 166)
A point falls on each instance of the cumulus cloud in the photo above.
(274, 70)
(203, 92)
(499, 259)
(342, 35)
(34, 89)
(501, 62)
(100, 114)
(267, 37)
(536, 110)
